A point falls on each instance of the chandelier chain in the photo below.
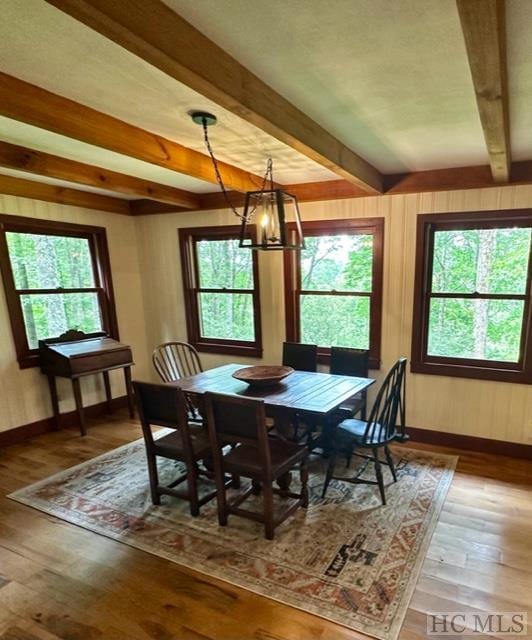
(268, 176)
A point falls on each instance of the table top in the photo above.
(318, 393)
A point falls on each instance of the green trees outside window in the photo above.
(221, 291)
(51, 273)
(489, 262)
(341, 265)
(333, 287)
(472, 313)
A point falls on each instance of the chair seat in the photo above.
(356, 429)
(171, 446)
(245, 459)
(350, 407)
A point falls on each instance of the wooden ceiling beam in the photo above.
(155, 33)
(146, 207)
(477, 177)
(61, 195)
(46, 164)
(483, 25)
(28, 103)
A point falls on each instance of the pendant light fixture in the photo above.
(271, 218)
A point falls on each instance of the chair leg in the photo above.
(303, 474)
(154, 478)
(235, 481)
(192, 481)
(330, 471)
(378, 473)
(221, 499)
(349, 456)
(267, 496)
(391, 464)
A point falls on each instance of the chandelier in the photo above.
(270, 219)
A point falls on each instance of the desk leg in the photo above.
(79, 405)
(55, 402)
(108, 396)
(129, 391)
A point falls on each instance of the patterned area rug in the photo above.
(345, 558)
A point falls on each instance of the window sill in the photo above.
(29, 361)
(249, 351)
(472, 372)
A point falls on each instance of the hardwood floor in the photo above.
(60, 581)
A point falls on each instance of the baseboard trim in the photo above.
(427, 436)
(471, 443)
(70, 419)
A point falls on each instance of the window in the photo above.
(472, 296)
(221, 288)
(56, 277)
(333, 287)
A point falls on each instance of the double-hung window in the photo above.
(56, 277)
(333, 287)
(221, 287)
(472, 295)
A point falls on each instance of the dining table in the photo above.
(302, 392)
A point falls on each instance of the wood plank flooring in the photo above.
(60, 581)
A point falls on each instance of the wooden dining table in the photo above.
(302, 392)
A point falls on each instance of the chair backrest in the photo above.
(233, 419)
(175, 360)
(301, 357)
(164, 406)
(350, 362)
(381, 426)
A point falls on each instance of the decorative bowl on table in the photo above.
(263, 375)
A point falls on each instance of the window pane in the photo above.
(339, 262)
(50, 315)
(226, 315)
(50, 262)
(222, 263)
(483, 260)
(339, 321)
(478, 329)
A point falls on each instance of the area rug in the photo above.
(345, 558)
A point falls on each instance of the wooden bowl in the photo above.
(263, 375)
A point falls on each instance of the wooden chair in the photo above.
(351, 362)
(176, 360)
(242, 422)
(375, 434)
(161, 405)
(301, 357)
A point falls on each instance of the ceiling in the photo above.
(389, 79)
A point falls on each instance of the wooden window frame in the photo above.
(421, 362)
(102, 273)
(292, 280)
(188, 237)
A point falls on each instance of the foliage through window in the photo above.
(221, 291)
(334, 285)
(56, 278)
(472, 294)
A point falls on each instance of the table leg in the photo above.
(108, 396)
(129, 391)
(55, 402)
(79, 405)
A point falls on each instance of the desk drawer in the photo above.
(100, 361)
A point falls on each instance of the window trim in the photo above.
(292, 278)
(421, 362)
(97, 238)
(188, 236)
